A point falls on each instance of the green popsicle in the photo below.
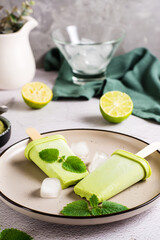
(53, 169)
(120, 171)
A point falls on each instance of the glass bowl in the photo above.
(88, 51)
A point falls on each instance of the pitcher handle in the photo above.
(30, 24)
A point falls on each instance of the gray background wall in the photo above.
(141, 19)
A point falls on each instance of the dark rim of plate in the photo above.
(71, 217)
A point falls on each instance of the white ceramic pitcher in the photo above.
(17, 63)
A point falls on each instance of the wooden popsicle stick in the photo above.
(149, 149)
(33, 133)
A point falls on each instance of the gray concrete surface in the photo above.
(140, 18)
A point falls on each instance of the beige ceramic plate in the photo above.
(20, 180)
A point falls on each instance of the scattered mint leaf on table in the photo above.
(74, 164)
(81, 208)
(49, 155)
(14, 234)
(77, 209)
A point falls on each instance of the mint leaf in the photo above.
(14, 234)
(74, 164)
(112, 207)
(49, 155)
(93, 201)
(77, 208)
(96, 211)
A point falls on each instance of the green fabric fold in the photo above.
(136, 73)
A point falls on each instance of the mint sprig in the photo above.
(14, 234)
(82, 208)
(72, 163)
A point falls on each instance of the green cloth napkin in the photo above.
(136, 73)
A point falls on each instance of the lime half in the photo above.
(116, 106)
(36, 94)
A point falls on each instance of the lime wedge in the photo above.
(116, 106)
(36, 94)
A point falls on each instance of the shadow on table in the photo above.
(96, 120)
(20, 106)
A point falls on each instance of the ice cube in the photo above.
(81, 150)
(98, 160)
(50, 188)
